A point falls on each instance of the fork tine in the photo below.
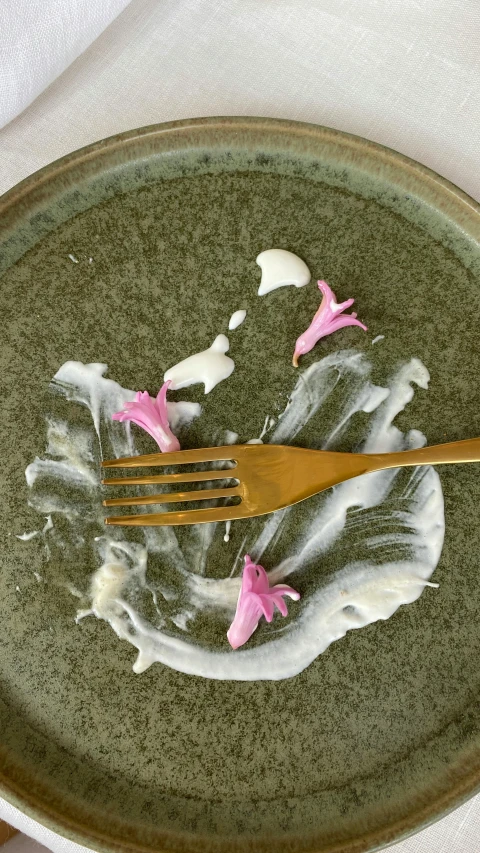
(177, 457)
(192, 516)
(187, 477)
(174, 497)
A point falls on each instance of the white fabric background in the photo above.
(39, 39)
(404, 74)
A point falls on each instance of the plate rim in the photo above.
(235, 124)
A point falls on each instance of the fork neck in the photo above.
(438, 454)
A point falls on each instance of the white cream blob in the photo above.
(25, 537)
(383, 531)
(236, 319)
(280, 268)
(121, 562)
(208, 367)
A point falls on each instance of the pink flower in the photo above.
(152, 416)
(256, 599)
(327, 320)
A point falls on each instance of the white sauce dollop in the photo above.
(280, 268)
(208, 367)
(236, 319)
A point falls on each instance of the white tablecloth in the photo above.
(406, 74)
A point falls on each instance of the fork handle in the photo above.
(438, 454)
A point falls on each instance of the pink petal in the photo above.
(277, 592)
(151, 415)
(331, 304)
(255, 578)
(278, 600)
(268, 606)
(161, 402)
(260, 583)
(326, 321)
(246, 620)
(248, 576)
(341, 321)
(256, 599)
(283, 589)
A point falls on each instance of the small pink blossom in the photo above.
(256, 599)
(151, 415)
(328, 319)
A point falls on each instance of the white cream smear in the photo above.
(25, 537)
(236, 319)
(208, 367)
(281, 268)
(383, 531)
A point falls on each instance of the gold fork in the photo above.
(267, 477)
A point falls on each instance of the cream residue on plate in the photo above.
(87, 384)
(236, 319)
(25, 537)
(208, 367)
(383, 531)
(226, 537)
(280, 268)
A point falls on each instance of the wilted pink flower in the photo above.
(328, 319)
(256, 599)
(152, 416)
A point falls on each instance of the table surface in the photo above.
(406, 75)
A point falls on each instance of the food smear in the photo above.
(355, 553)
(88, 385)
(236, 319)
(328, 319)
(281, 268)
(208, 367)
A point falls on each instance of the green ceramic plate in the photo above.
(381, 733)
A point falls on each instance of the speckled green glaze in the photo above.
(382, 733)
